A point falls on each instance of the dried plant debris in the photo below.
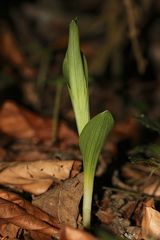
(20, 123)
(17, 214)
(69, 233)
(36, 176)
(149, 123)
(62, 201)
(116, 213)
(150, 223)
(149, 154)
(142, 178)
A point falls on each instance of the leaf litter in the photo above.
(50, 175)
(23, 172)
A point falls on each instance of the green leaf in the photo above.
(92, 138)
(91, 141)
(76, 74)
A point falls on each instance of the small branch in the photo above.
(141, 61)
(56, 109)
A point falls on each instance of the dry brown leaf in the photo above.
(62, 202)
(35, 176)
(69, 233)
(153, 188)
(9, 47)
(106, 216)
(138, 212)
(66, 136)
(22, 124)
(12, 213)
(150, 223)
(12, 230)
(13, 123)
(30, 208)
(8, 231)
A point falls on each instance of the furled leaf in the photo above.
(76, 75)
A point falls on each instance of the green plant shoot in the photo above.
(92, 133)
(76, 73)
(91, 141)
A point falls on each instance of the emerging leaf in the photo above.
(92, 138)
(76, 74)
(91, 141)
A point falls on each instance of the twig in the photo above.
(56, 109)
(127, 192)
(42, 76)
(141, 61)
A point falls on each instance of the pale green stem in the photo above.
(87, 199)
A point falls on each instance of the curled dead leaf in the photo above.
(62, 201)
(12, 213)
(35, 176)
(150, 223)
(30, 208)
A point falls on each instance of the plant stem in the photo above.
(56, 110)
(42, 75)
(87, 199)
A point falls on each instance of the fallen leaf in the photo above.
(138, 212)
(13, 123)
(67, 137)
(106, 216)
(62, 202)
(68, 233)
(9, 47)
(11, 230)
(12, 213)
(150, 223)
(29, 207)
(153, 188)
(8, 231)
(23, 124)
(36, 176)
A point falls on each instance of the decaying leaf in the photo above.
(13, 123)
(13, 213)
(35, 176)
(29, 207)
(23, 124)
(9, 47)
(11, 230)
(62, 202)
(150, 223)
(69, 233)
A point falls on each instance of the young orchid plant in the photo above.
(92, 132)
